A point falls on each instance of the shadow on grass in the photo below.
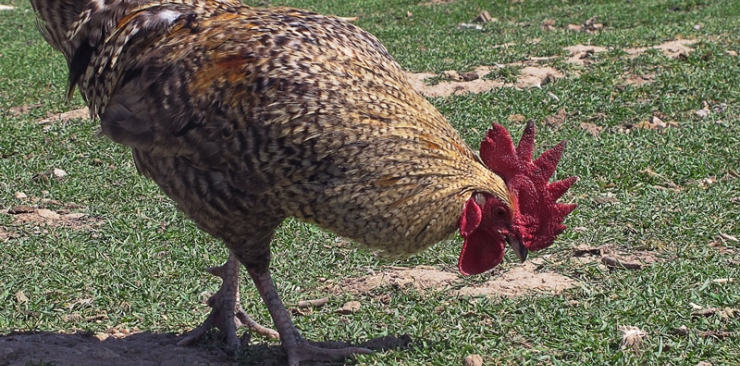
(88, 349)
(146, 348)
(273, 355)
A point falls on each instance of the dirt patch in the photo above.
(593, 129)
(609, 257)
(5, 234)
(421, 278)
(79, 349)
(518, 280)
(17, 111)
(535, 76)
(516, 118)
(557, 119)
(529, 76)
(672, 49)
(581, 54)
(639, 80)
(548, 24)
(51, 218)
(589, 26)
(82, 113)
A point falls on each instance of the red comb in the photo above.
(539, 217)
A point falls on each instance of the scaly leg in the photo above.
(227, 314)
(297, 348)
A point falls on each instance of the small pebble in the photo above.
(473, 360)
(682, 331)
(59, 173)
(349, 308)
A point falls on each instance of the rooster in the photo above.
(247, 116)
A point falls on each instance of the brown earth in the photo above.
(44, 217)
(672, 49)
(529, 76)
(82, 113)
(532, 75)
(517, 280)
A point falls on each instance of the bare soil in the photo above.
(82, 113)
(580, 54)
(44, 217)
(5, 234)
(638, 80)
(606, 255)
(517, 280)
(532, 75)
(672, 49)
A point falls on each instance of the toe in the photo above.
(323, 351)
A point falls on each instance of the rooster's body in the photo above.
(246, 117)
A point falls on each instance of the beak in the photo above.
(520, 250)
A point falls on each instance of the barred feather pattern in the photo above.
(248, 116)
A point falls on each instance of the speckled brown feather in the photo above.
(247, 116)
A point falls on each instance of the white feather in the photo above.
(168, 16)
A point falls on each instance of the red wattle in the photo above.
(480, 253)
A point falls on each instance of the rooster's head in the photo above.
(529, 218)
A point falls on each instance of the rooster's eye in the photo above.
(499, 212)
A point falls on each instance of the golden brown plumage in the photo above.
(248, 116)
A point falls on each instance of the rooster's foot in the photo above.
(305, 350)
(228, 326)
(297, 348)
(227, 314)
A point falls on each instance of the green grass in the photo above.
(142, 263)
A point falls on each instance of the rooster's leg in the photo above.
(227, 314)
(297, 348)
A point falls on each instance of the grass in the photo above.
(142, 263)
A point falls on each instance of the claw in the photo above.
(322, 351)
